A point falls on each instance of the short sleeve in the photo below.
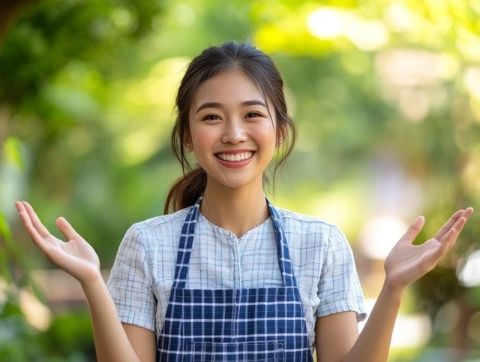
(130, 283)
(339, 288)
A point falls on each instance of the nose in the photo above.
(234, 132)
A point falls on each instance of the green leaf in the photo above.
(4, 229)
(12, 152)
(5, 237)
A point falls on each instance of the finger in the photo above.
(447, 242)
(458, 227)
(431, 257)
(435, 250)
(466, 215)
(67, 230)
(444, 245)
(27, 222)
(468, 212)
(447, 226)
(37, 224)
(450, 238)
(414, 230)
(19, 207)
(454, 230)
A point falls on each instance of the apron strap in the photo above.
(185, 245)
(283, 251)
(188, 233)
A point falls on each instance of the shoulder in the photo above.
(158, 228)
(312, 230)
(157, 222)
(301, 222)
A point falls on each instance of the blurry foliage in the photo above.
(69, 337)
(86, 98)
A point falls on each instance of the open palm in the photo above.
(407, 262)
(75, 256)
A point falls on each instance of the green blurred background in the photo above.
(385, 94)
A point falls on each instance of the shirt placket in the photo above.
(237, 280)
(237, 271)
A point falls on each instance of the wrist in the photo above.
(92, 283)
(392, 291)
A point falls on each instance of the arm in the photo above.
(113, 342)
(373, 344)
(405, 264)
(335, 335)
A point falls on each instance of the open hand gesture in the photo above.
(406, 262)
(75, 256)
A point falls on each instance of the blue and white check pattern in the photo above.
(143, 273)
(256, 324)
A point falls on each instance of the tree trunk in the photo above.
(10, 10)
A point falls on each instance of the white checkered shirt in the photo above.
(142, 275)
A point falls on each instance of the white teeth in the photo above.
(235, 156)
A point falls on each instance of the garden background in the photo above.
(385, 94)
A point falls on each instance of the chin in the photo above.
(234, 184)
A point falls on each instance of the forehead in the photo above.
(229, 87)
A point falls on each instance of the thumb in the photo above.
(67, 230)
(413, 230)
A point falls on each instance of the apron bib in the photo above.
(255, 324)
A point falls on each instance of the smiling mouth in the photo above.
(235, 157)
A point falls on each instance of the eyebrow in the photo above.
(219, 105)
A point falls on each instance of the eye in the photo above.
(254, 115)
(210, 117)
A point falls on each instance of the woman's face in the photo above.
(231, 131)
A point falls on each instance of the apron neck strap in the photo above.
(188, 233)
(185, 245)
(283, 251)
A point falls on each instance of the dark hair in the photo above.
(212, 61)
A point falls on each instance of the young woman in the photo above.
(228, 276)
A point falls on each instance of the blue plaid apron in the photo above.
(257, 324)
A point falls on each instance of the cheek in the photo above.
(265, 134)
(202, 138)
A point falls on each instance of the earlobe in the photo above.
(280, 137)
(188, 146)
(279, 141)
(187, 143)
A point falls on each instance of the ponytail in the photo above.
(186, 190)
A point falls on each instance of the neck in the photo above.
(236, 210)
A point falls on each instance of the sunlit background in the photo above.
(385, 94)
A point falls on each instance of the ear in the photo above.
(187, 142)
(280, 139)
(281, 135)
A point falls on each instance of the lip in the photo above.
(234, 164)
(235, 151)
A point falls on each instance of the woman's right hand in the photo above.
(75, 256)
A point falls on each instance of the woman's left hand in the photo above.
(407, 262)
